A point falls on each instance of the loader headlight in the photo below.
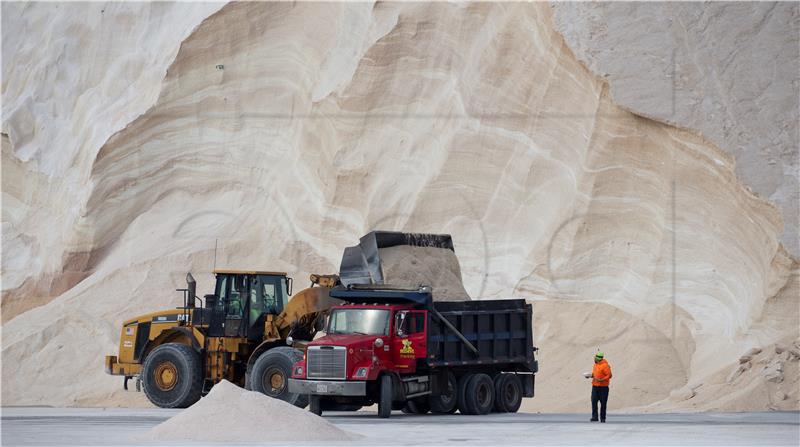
(361, 372)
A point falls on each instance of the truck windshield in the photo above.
(359, 321)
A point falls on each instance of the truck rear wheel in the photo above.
(271, 373)
(172, 376)
(508, 393)
(461, 403)
(446, 402)
(479, 394)
(385, 402)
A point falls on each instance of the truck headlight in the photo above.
(361, 372)
(298, 371)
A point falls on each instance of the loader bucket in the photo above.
(361, 263)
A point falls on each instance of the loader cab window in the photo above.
(266, 297)
(270, 299)
(237, 290)
(222, 293)
(273, 293)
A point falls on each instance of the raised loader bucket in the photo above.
(361, 264)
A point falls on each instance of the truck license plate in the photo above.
(322, 387)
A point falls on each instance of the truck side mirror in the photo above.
(400, 321)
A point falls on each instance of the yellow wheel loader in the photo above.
(239, 333)
(246, 331)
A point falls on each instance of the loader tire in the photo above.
(271, 372)
(479, 394)
(172, 376)
(447, 402)
(507, 393)
(385, 400)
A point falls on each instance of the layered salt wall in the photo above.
(137, 135)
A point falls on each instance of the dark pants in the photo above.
(599, 394)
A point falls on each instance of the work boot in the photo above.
(602, 421)
(593, 420)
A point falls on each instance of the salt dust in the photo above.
(231, 414)
(410, 266)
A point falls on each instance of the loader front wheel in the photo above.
(172, 376)
(271, 373)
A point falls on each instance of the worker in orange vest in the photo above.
(601, 376)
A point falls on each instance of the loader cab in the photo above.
(242, 301)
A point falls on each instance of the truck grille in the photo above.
(326, 362)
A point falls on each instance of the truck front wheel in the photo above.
(271, 372)
(385, 402)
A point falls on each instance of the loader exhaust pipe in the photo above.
(191, 286)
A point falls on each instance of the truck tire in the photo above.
(271, 372)
(479, 394)
(315, 405)
(333, 406)
(499, 403)
(508, 393)
(447, 402)
(417, 407)
(385, 402)
(172, 376)
(461, 403)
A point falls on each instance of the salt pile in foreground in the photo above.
(231, 414)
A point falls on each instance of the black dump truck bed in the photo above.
(464, 333)
(499, 330)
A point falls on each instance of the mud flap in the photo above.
(528, 384)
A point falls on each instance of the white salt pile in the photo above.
(405, 265)
(231, 414)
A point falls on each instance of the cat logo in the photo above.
(406, 349)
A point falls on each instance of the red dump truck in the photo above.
(400, 349)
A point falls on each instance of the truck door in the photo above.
(410, 339)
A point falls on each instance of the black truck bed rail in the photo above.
(500, 331)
